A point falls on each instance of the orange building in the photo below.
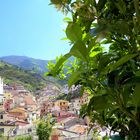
(18, 113)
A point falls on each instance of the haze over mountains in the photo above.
(27, 63)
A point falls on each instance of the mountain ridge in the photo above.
(27, 63)
(31, 64)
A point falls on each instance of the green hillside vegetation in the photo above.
(31, 80)
(30, 64)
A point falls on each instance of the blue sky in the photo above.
(31, 28)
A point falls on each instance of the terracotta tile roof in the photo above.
(63, 115)
(29, 101)
(26, 98)
(19, 113)
(21, 123)
(64, 120)
(18, 109)
(80, 129)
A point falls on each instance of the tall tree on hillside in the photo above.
(44, 128)
(112, 75)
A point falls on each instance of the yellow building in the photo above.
(1, 107)
(62, 104)
(7, 96)
(18, 113)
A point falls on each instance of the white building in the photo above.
(1, 90)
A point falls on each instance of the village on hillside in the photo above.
(20, 111)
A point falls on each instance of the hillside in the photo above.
(31, 80)
(31, 64)
(27, 63)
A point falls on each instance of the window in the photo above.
(1, 130)
(29, 130)
(1, 116)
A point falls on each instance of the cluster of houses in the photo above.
(20, 111)
(68, 123)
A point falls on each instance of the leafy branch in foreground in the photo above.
(111, 77)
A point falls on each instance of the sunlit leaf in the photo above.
(79, 50)
(67, 19)
(61, 61)
(74, 32)
(74, 78)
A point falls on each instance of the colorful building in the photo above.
(1, 91)
(62, 104)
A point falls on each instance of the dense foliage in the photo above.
(24, 138)
(105, 39)
(44, 128)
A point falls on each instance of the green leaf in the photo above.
(74, 78)
(64, 38)
(137, 9)
(125, 94)
(55, 70)
(79, 50)
(74, 32)
(96, 50)
(104, 60)
(67, 19)
(94, 53)
(132, 81)
(62, 60)
(101, 4)
(136, 95)
(121, 61)
(99, 102)
(120, 26)
(121, 6)
(138, 73)
(56, 1)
